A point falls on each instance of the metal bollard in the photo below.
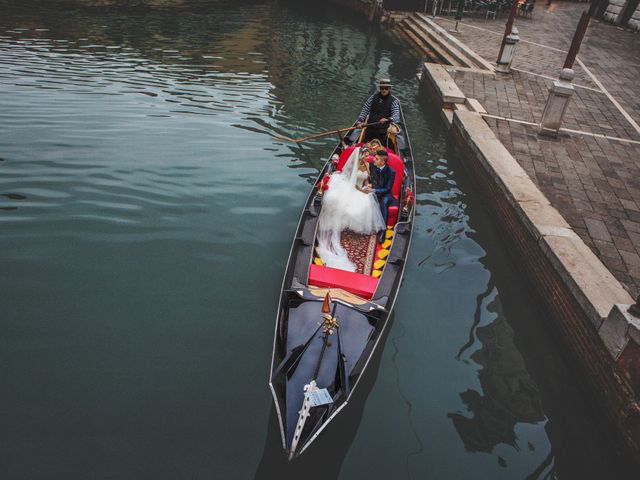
(559, 96)
(458, 16)
(508, 52)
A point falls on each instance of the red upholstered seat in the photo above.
(344, 156)
(397, 164)
(357, 283)
(392, 219)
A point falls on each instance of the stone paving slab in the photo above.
(594, 182)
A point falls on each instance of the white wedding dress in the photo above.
(345, 207)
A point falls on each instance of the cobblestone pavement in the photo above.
(593, 181)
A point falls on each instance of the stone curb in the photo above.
(444, 88)
(590, 282)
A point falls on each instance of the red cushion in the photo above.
(393, 215)
(357, 283)
(398, 165)
(346, 153)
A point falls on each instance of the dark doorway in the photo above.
(410, 5)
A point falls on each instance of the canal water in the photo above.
(146, 213)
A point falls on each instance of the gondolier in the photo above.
(380, 107)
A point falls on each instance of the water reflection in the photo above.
(506, 395)
(524, 385)
(509, 395)
(180, 57)
(256, 65)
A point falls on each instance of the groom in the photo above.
(382, 177)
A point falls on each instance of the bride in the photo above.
(346, 206)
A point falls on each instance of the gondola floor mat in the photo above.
(360, 249)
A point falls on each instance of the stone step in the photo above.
(398, 35)
(472, 57)
(418, 44)
(401, 35)
(440, 55)
(438, 42)
(396, 17)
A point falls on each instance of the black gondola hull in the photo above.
(305, 357)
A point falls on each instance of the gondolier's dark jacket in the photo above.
(377, 107)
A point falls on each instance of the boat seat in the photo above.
(397, 164)
(346, 153)
(357, 283)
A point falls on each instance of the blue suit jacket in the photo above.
(382, 180)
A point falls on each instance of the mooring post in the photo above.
(458, 16)
(507, 28)
(559, 94)
(581, 29)
(508, 52)
(562, 89)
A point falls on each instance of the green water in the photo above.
(146, 213)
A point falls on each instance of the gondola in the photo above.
(330, 321)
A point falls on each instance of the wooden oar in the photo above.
(324, 134)
(363, 129)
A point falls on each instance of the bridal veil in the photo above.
(345, 207)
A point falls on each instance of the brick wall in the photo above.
(629, 363)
